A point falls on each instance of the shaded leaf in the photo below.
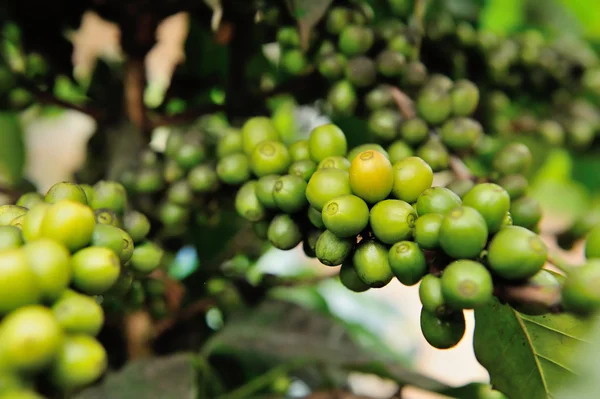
(502, 16)
(154, 378)
(12, 149)
(281, 332)
(308, 13)
(588, 14)
(528, 356)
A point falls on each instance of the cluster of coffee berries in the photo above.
(61, 255)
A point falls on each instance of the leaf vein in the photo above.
(537, 323)
(535, 355)
(555, 362)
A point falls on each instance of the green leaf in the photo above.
(154, 378)
(308, 13)
(282, 332)
(588, 14)
(12, 149)
(502, 16)
(528, 356)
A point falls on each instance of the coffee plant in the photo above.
(425, 141)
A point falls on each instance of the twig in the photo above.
(460, 170)
(418, 16)
(187, 116)
(135, 81)
(404, 102)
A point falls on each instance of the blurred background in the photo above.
(56, 142)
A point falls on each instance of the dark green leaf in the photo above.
(12, 149)
(281, 332)
(528, 356)
(155, 378)
(308, 13)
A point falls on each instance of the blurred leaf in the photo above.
(66, 89)
(587, 170)
(282, 332)
(154, 378)
(284, 120)
(307, 297)
(588, 14)
(12, 149)
(528, 356)
(502, 16)
(204, 57)
(185, 263)
(308, 13)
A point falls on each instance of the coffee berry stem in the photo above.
(460, 170)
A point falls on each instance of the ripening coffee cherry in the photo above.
(299, 150)
(309, 244)
(293, 62)
(173, 215)
(384, 124)
(412, 176)
(515, 158)
(69, 222)
(434, 105)
(353, 153)
(466, 284)
(288, 36)
(325, 141)
(431, 295)
(342, 98)
(580, 134)
(303, 169)
(109, 195)
(234, 169)
(30, 339)
(465, 97)
(390, 63)
(326, 184)
(29, 200)
(355, 40)
(580, 291)
(180, 193)
(407, 262)
(146, 258)
(284, 233)
(515, 185)
(203, 179)
(552, 132)
(414, 74)
(437, 200)
(79, 314)
(264, 190)
(371, 176)
(192, 151)
(32, 223)
(10, 237)
(427, 230)
(372, 264)
(336, 162)
(337, 19)
(442, 332)
(66, 191)
(350, 279)
(414, 131)
(315, 218)
(137, 225)
(255, 131)
(491, 201)
(400, 44)
(378, 98)
(461, 187)
(592, 243)
(346, 215)
(544, 280)
(247, 203)
(516, 253)
(113, 238)
(461, 133)
(332, 250)
(435, 154)
(10, 212)
(526, 212)
(51, 264)
(230, 143)
(148, 180)
(81, 360)
(269, 158)
(332, 66)
(361, 71)
(463, 233)
(289, 193)
(95, 269)
(18, 285)
(398, 151)
(392, 221)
